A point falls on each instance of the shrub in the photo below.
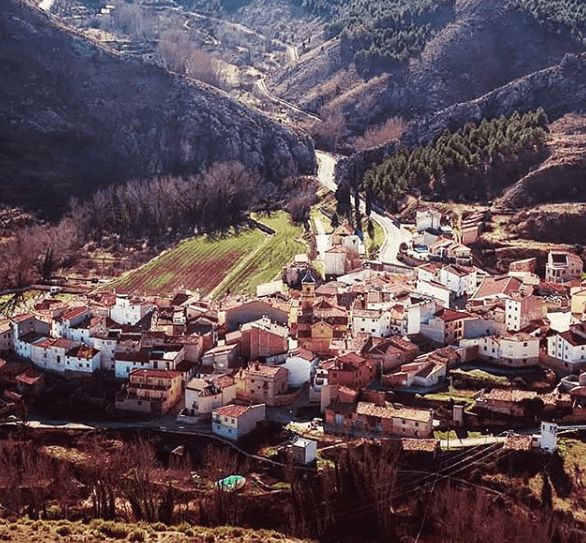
(115, 530)
(63, 530)
(137, 535)
(159, 527)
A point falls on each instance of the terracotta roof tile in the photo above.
(234, 411)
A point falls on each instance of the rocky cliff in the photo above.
(559, 90)
(75, 116)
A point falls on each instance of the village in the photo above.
(356, 349)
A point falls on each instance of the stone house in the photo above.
(262, 383)
(202, 396)
(392, 352)
(150, 391)
(351, 370)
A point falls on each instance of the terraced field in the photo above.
(237, 263)
(198, 263)
(265, 264)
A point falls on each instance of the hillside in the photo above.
(559, 90)
(75, 116)
(566, 164)
(476, 46)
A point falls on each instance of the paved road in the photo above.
(326, 164)
(260, 84)
(394, 235)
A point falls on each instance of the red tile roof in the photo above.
(74, 312)
(518, 443)
(29, 377)
(162, 374)
(352, 358)
(264, 370)
(572, 338)
(22, 317)
(510, 395)
(234, 411)
(370, 409)
(492, 286)
(450, 315)
(420, 445)
(63, 343)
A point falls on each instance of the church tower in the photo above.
(307, 291)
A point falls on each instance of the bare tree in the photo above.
(331, 129)
(391, 129)
(174, 49)
(199, 65)
(134, 20)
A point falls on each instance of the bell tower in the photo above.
(307, 291)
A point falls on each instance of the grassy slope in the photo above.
(197, 263)
(266, 263)
(25, 530)
(237, 263)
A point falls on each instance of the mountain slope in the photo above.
(484, 45)
(559, 90)
(75, 116)
(566, 164)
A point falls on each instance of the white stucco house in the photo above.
(234, 421)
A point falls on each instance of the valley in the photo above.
(285, 270)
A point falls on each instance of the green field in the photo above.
(266, 263)
(237, 263)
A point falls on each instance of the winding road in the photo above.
(394, 235)
(292, 54)
(260, 84)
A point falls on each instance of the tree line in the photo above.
(556, 14)
(357, 494)
(149, 211)
(469, 147)
(393, 30)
